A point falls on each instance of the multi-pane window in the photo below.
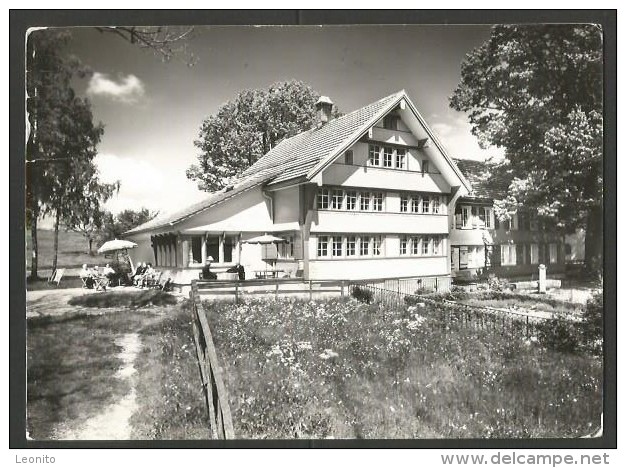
(349, 157)
(404, 203)
(415, 245)
(487, 215)
(390, 122)
(436, 244)
(415, 204)
(365, 201)
(376, 245)
(374, 155)
(351, 198)
(350, 246)
(425, 246)
(387, 156)
(534, 254)
(553, 253)
(508, 254)
(435, 205)
(323, 198)
(322, 246)
(425, 204)
(400, 158)
(337, 246)
(377, 201)
(337, 200)
(364, 246)
(404, 245)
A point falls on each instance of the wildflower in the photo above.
(328, 353)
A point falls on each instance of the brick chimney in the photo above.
(323, 107)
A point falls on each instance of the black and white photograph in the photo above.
(328, 232)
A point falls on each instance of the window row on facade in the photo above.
(528, 254)
(368, 245)
(357, 200)
(482, 217)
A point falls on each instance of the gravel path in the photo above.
(113, 423)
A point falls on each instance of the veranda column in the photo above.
(221, 250)
(185, 262)
(203, 249)
(238, 248)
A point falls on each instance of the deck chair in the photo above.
(85, 280)
(56, 276)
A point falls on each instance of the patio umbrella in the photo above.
(265, 239)
(117, 245)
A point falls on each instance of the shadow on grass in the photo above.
(131, 300)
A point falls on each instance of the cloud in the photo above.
(128, 89)
(146, 184)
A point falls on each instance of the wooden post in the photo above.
(342, 286)
(237, 292)
(276, 293)
(203, 250)
(436, 284)
(310, 290)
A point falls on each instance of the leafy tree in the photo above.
(61, 174)
(112, 227)
(247, 127)
(536, 91)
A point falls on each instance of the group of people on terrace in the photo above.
(100, 278)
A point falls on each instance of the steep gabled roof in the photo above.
(295, 156)
(299, 156)
(486, 182)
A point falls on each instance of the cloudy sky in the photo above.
(152, 111)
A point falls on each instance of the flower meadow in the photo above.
(339, 368)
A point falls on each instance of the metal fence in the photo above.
(216, 398)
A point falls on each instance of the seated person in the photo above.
(147, 274)
(139, 271)
(207, 274)
(108, 271)
(87, 275)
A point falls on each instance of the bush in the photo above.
(593, 321)
(498, 284)
(362, 295)
(423, 290)
(560, 334)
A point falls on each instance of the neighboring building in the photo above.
(366, 195)
(481, 244)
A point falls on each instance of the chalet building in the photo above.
(365, 195)
(512, 248)
(369, 195)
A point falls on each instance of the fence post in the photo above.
(310, 290)
(342, 286)
(237, 292)
(436, 284)
(527, 329)
(276, 293)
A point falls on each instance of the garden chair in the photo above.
(153, 281)
(101, 283)
(56, 276)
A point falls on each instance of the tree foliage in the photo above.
(247, 127)
(536, 91)
(113, 226)
(61, 176)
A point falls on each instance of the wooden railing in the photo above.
(220, 421)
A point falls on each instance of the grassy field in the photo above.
(507, 300)
(73, 359)
(343, 369)
(73, 250)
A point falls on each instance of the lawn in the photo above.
(73, 360)
(73, 250)
(344, 369)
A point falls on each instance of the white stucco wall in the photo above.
(378, 268)
(346, 221)
(286, 205)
